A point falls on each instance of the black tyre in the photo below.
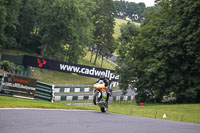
(105, 108)
(95, 98)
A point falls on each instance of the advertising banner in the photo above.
(69, 67)
(18, 85)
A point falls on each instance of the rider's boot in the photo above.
(108, 95)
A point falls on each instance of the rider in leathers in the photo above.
(107, 85)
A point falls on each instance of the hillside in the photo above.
(118, 23)
(54, 77)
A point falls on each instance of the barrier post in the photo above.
(53, 95)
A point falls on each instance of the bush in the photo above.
(17, 69)
(8, 66)
(5, 65)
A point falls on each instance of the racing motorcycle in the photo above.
(100, 96)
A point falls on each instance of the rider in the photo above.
(107, 85)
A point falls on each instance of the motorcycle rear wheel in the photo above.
(105, 108)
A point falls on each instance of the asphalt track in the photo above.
(74, 121)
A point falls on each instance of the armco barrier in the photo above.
(77, 88)
(72, 88)
(1, 76)
(44, 91)
(123, 98)
(72, 98)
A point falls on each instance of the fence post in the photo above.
(53, 96)
(155, 115)
(1, 81)
(131, 107)
(182, 117)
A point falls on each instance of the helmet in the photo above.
(102, 77)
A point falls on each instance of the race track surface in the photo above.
(75, 121)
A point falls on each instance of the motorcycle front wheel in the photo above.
(95, 98)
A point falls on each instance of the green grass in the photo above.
(11, 102)
(16, 52)
(116, 88)
(175, 112)
(86, 61)
(118, 24)
(54, 77)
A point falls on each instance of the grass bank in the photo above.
(54, 77)
(117, 33)
(118, 24)
(175, 112)
(11, 102)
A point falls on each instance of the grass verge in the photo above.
(11, 102)
(175, 112)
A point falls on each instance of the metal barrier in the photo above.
(123, 98)
(67, 89)
(77, 88)
(18, 86)
(44, 91)
(72, 88)
(90, 97)
(72, 98)
(1, 76)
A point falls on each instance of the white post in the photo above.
(2, 80)
(53, 96)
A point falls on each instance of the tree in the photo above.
(59, 29)
(130, 9)
(104, 24)
(3, 14)
(64, 24)
(9, 21)
(125, 61)
(164, 55)
(27, 35)
(185, 38)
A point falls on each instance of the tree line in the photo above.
(58, 29)
(131, 10)
(162, 58)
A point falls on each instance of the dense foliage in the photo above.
(59, 29)
(104, 43)
(163, 59)
(131, 10)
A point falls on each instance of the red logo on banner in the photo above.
(41, 63)
(20, 80)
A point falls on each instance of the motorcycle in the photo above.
(100, 96)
